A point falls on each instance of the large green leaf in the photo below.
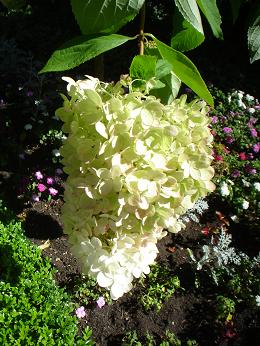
(143, 67)
(210, 10)
(185, 36)
(190, 11)
(78, 51)
(185, 70)
(104, 16)
(253, 36)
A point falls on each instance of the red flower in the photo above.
(242, 156)
(205, 231)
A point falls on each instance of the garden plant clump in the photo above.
(32, 307)
(135, 166)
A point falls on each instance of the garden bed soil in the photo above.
(189, 313)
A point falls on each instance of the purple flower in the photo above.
(49, 181)
(38, 175)
(29, 93)
(35, 198)
(80, 312)
(53, 191)
(41, 187)
(252, 121)
(101, 302)
(253, 132)
(235, 173)
(256, 147)
(229, 139)
(214, 119)
(250, 169)
(187, 91)
(59, 171)
(227, 129)
(250, 156)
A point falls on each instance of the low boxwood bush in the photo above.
(33, 311)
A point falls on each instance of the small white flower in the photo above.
(224, 191)
(229, 98)
(28, 127)
(245, 183)
(245, 204)
(56, 152)
(251, 110)
(257, 300)
(241, 104)
(257, 186)
(249, 97)
(234, 218)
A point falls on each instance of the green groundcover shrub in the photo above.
(33, 311)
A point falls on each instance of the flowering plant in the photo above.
(44, 187)
(236, 150)
(134, 167)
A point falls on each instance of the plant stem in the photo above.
(141, 35)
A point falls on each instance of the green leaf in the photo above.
(172, 83)
(170, 90)
(143, 67)
(104, 16)
(185, 36)
(83, 50)
(210, 10)
(185, 70)
(253, 36)
(190, 11)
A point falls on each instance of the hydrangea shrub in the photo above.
(134, 167)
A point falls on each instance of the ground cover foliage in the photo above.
(204, 289)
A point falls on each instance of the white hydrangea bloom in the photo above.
(134, 167)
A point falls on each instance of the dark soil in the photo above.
(189, 313)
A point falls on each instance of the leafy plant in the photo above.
(31, 306)
(100, 20)
(160, 285)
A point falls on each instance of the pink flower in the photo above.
(49, 181)
(101, 302)
(229, 139)
(218, 158)
(225, 149)
(53, 191)
(253, 132)
(242, 156)
(256, 147)
(41, 187)
(227, 129)
(80, 312)
(38, 175)
(214, 119)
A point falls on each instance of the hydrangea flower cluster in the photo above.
(134, 167)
